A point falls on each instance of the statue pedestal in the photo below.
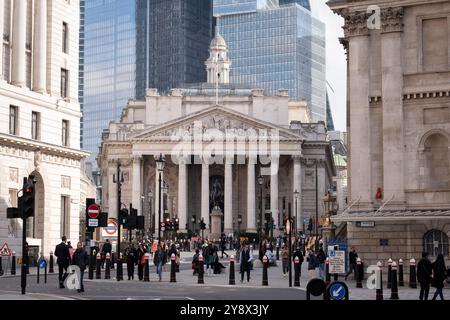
(328, 232)
(216, 224)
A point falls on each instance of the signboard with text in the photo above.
(337, 261)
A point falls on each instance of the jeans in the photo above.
(424, 291)
(284, 262)
(159, 270)
(321, 270)
(438, 293)
(248, 274)
(81, 280)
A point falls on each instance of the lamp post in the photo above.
(316, 245)
(119, 180)
(288, 231)
(260, 182)
(160, 163)
(194, 220)
(296, 197)
(239, 221)
(150, 215)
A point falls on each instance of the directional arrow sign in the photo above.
(338, 291)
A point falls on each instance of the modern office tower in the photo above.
(276, 47)
(304, 3)
(132, 45)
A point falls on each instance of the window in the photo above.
(65, 133)
(13, 226)
(64, 80)
(65, 217)
(435, 242)
(13, 120)
(35, 125)
(65, 34)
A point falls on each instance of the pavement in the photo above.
(216, 287)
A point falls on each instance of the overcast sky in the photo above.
(336, 61)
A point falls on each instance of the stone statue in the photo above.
(216, 194)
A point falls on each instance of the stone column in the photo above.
(274, 189)
(40, 47)
(136, 186)
(359, 63)
(228, 197)
(251, 195)
(182, 194)
(392, 93)
(297, 186)
(19, 33)
(2, 19)
(112, 189)
(205, 197)
(158, 203)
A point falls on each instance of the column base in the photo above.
(251, 231)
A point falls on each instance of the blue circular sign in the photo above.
(337, 291)
(42, 264)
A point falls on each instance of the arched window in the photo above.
(435, 242)
(437, 166)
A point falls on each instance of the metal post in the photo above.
(108, 266)
(290, 246)
(51, 267)
(232, 280)
(23, 276)
(13, 263)
(45, 272)
(159, 210)
(147, 268)
(359, 272)
(389, 283)
(412, 274)
(327, 272)
(173, 277)
(98, 268)
(38, 272)
(201, 270)
(297, 272)
(119, 202)
(265, 280)
(401, 282)
(394, 287)
(379, 282)
(316, 246)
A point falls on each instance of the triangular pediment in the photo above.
(214, 118)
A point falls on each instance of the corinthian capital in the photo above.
(355, 23)
(392, 20)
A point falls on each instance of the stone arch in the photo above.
(434, 155)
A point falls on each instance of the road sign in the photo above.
(93, 211)
(337, 262)
(111, 229)
(93, 223)
(42, 264)
(5, 251)
(337, 291)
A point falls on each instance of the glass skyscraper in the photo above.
(304, 3)
(281, 47)
(132, 45)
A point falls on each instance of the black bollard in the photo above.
(327, 272)
(389, 283)
(379, 281)
(394, 285)
(278, 253)
(45, 272)
(412, 274)
(51, 268)
(91, 264)
(119, 268)
(173, 277)
(359, 273)
(265, 280)
(401, 283)
(13, 263)
(113, 260)
(232, 278)
(108, 266)
(147, 268)
(1, 266)
(38, 272)
(201, 270)
(98, 267)
(296, 272)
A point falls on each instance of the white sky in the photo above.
(336, 61)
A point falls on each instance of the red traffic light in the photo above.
(29, 190)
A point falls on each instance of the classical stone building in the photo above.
(40, 119)
(399, 127)
(217, 138)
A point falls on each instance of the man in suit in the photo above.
(63, 260)
(107, 248)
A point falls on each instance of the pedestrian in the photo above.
(251, 257)
(107, 248)
(63, 260)
(439, 276)
(71, 250)
(130, 254)
(141, 260)
(217, 266)
(298, 254)
(223, 244)
(195, 262)
(352, 257)
(209, 258)
(245, 262)
(424, 273)
(159, 260)
(80, 259)
(321, 257)
(312, 264)
(284, 259)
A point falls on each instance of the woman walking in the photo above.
(312, 264)
(439, 276)
(284, 259)
(159, 260)
(245, 263)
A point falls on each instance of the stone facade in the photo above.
(399, 128)
(36, 112)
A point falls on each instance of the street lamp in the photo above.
(150, 215)
(239, 221)
(260, 182)
(296, 197)
(288, 231)
(160, 163)
(194, 220)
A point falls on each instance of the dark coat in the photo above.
(107, 248)
(352, 257)
(321, 257)
(63, 254)
(424, 271)
(80, 259)
(299, 254)
(131, 255)
(439, 275)
(160, 256)
(245, 264)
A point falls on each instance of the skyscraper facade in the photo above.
(304, 3)
(132, 45)
(277, 47)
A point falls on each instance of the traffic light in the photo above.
(176, 224)
(123, 216)
(310, 224)
(28, 197)
(202, 225)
